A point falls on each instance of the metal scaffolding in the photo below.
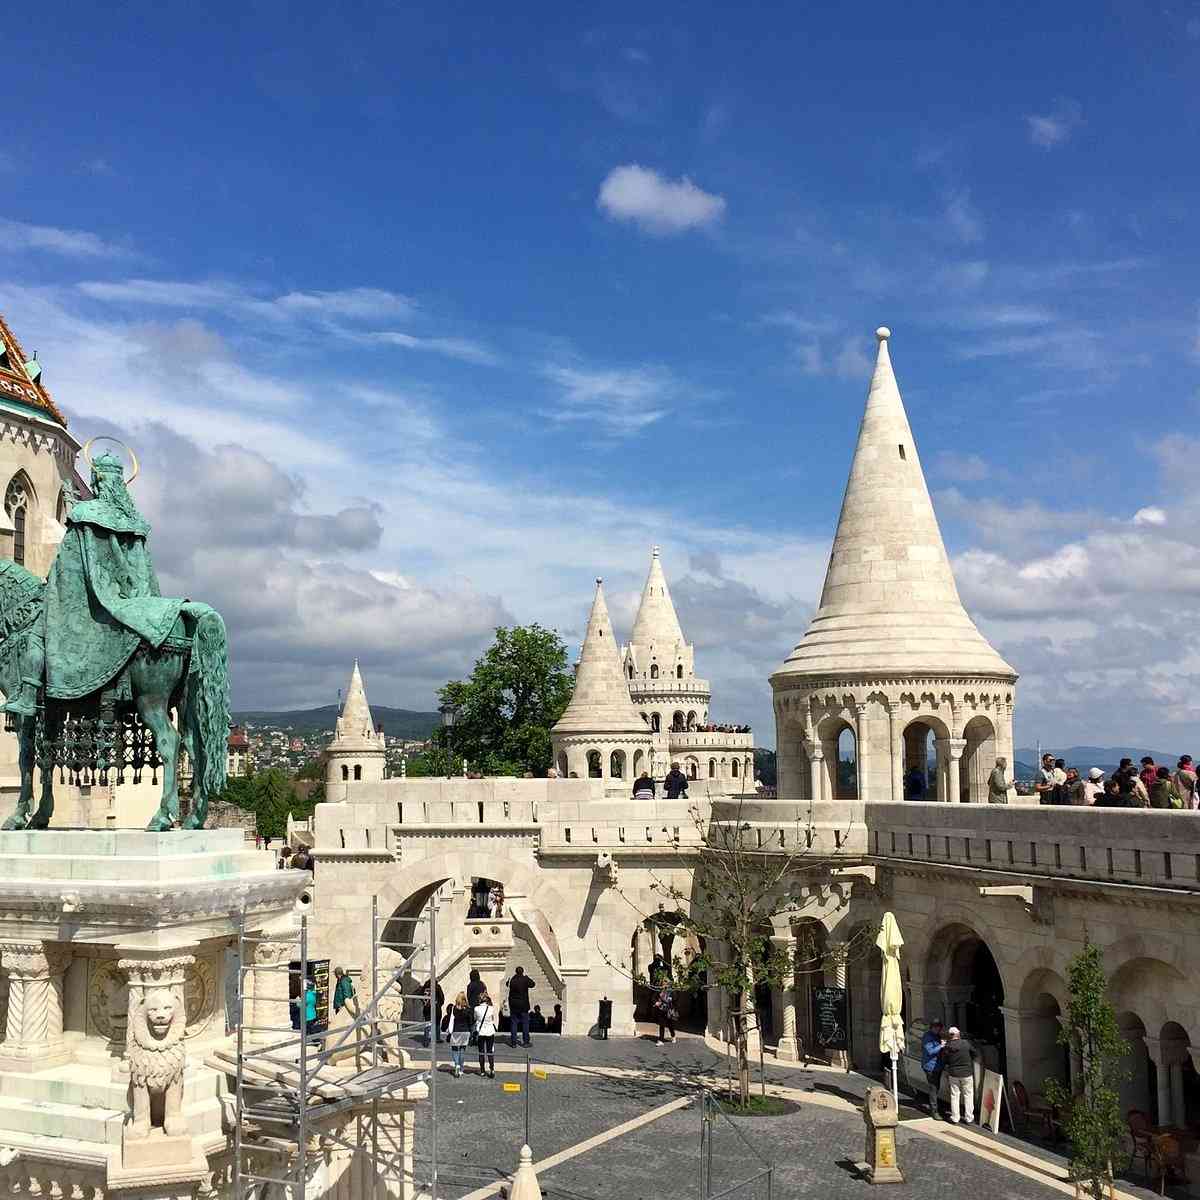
(302, 1089)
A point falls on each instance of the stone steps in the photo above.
(98, 1125)
(95, 1089)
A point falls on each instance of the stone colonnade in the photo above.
(890, 723)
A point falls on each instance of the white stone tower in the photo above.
(358, 751)
(891, 654)
(601, 735)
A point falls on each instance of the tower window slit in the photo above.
(902, 454)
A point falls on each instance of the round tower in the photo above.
(892, 674)
(601, 735)
(357, 753)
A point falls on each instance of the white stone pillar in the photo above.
(788, 1047)
(896, 740)
(1159, 1052)
(33, 1035)
(1015, 1066)
(816, 757)
(1178, 1107)
(955, 748)
(861, 753)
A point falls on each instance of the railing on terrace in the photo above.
(697, 739)
(1146, 847)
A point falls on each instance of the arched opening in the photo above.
(655, 723)
(563, 768)
(693, 768)
(840, 750)
(1183, 1082)
(664, 934)
(979, 757)
(653, 670)
(691, 720)
(712, 768)
(639, 759)
(678, 722)
(18, 499)
(1139, 1090)
(616, 764)
(345, 773)
(733, 767)
(809, 951)
(925, 771)
(630, 669)
(358, 772)
(679, 671)
(963, 977)
(1042, 1056)
(594, 762)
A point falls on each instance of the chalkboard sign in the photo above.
(830, 1019)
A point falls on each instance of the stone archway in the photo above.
(979, 757)
(839, 745)
(1040, 1056)
(962, 975)
(926, 749)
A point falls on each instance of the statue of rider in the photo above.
(102, 598)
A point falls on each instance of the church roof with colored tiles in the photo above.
(15, 383)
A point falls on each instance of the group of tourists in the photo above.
(946, 1052)
(1129, 786)
(675, 785)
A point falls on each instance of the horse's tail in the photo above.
(208, 702)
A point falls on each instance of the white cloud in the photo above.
(461, 348)
(1151, 515)
(1051, 129)
(963, 468)
(68, 243)
(616, 402)
(962, 218)
(655, 204)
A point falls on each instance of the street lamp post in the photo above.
(449, 712)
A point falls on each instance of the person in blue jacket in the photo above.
(932, 1045)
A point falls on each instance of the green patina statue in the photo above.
(94, 660)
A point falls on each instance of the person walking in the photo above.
(519, 987)
(432, 1012)
(998, 783)
(485, 1033)
(456, 1025)
(933, 1042)
(475, 988)
(959, 1058)
(676, 783)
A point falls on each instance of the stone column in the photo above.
(1177, 1102)
(896, 739)
(1159, 1052)
(33, 1034)
(861, 752)
(1015, 1066)
(835, 975)
(266, 991)
(788, 1048)
(955, 747)
(816, 758)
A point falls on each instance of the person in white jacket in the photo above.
(485, 1033)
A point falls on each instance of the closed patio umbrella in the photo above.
(891, 996)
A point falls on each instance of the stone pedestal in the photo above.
(880, 1117)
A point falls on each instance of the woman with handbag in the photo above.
(485, 1034)
(457, 1025)
(667, 1014)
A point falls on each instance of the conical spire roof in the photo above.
(890, 604)
(355, 725)
(657, 623)
(600, 702)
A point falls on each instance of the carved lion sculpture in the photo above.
(156, 1061)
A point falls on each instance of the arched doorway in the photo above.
(1139, 1089)
(979, 757)
(840, 749)
(595, 765)
(962, 974)
(616, 764)
(664, 934)
(925, 759)
(1042, 1056)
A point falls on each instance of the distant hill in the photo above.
(396, 722)
(1107, 758)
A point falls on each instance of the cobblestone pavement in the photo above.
(481, 1129)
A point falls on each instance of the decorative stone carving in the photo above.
(33, 1029)
(606, 869)
(199, 995)
(107, 1000)
(154, 1050)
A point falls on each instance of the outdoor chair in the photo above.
(1143, 1140)
(1035, 1109)
(1167, 1157)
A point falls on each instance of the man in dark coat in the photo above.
(519, 987)
(475, 988)
(433, 1031)
(676, 782)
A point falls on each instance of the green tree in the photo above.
(505, 709)
(275, 798)
(1093, 1123)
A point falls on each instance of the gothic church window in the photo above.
(654, 670)
(17, 502)
(358, 771)
(345, 773)
(679, 671)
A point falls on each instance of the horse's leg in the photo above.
(187, 721)
(154, 680)
(45, 810)
(20, 818)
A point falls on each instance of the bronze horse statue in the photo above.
(93, 662)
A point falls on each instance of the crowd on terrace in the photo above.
(1150, 786)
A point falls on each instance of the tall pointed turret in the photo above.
(891, 656)
(890, 602)
(656, 622)
(600, 702)
(358, 752)
(600, 735)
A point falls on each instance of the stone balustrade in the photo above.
(1107, 845)
(692, 739)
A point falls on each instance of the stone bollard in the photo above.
(525, 1184)
(881, 1118)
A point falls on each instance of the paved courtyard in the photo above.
(619, 1121)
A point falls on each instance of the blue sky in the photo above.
(430, 315)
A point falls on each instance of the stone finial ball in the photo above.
(883, 333)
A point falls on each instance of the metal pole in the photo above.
(527, 1098)
(711, 1116)
(302, 1125)
(433, 1045)
(770, 1180)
